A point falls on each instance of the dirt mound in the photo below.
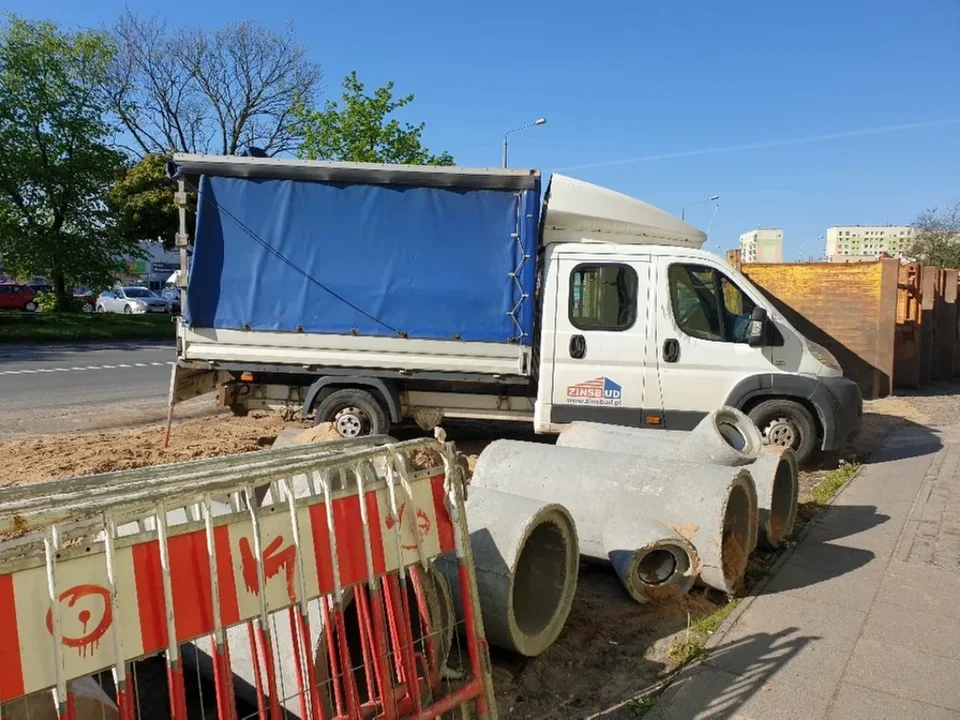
(54, 457)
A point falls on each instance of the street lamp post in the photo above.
(698, 202)
(538, 121)
(804, 245)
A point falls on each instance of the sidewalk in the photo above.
(862, 620)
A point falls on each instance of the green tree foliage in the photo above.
(361, 129)
(937, 240)
(142, 199)
(56, 163)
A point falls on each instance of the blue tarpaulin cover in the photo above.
(434, 263)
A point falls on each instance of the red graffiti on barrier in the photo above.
(89, 640)
(423, 524)
(273, 563)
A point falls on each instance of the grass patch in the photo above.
(693, 644)
(823, 492)
(708, 624)
(637, 709)
(18, 327)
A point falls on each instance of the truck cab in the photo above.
(642, 328)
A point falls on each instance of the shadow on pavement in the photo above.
(750, 664)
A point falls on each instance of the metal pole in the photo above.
(504, 150)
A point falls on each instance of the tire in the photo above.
(30, 307)
(788, 424)
(127, 310)
(87, 307)
(101, 309)
(353, 413)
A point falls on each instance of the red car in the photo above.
(17, 297)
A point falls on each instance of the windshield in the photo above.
(138, 293)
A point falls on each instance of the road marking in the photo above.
(88, 367)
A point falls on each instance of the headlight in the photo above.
(823, 355)
(139, 305)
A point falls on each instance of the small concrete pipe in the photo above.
(774, 473)
(713, 506)
(526, 556)
(725, 437)
(648, 557)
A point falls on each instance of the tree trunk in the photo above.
(60, 290)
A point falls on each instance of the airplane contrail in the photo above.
(769, 143)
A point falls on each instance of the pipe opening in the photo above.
(736, 532)
(540, 578)
(782, 501)
(657, 566)
(732, 435)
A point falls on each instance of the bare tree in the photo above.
(208, 91)
(937, 240)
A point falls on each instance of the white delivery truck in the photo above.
(366, 295)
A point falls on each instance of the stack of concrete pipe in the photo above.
(661, 522)
(725, 437)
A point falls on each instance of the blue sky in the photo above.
(659, 80)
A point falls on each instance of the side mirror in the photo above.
(757, 332)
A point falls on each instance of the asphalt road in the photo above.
(65, 388)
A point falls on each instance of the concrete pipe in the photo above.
(526, 556)
(775, 475)
(648, 557)
(725, 437)
(713, 506)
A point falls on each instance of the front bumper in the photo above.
(840, 406)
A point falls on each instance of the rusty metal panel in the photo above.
(928, 292)
(945, 317)
(956, 334)
(906, 354)
(848, 308)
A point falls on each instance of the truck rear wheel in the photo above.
(353, 413)
(786, 423)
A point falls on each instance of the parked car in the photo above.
(86, 299)
(17, 297)
(131, 301)
(172, 296)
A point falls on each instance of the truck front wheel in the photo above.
(353, 413)
(786, 423)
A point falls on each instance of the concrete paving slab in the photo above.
(852, 587)
(859, 703)
(786, 640)
(905, 672)
(837, 555)
(924, 632)
(920, 594)
(881, 540)
(706, 693)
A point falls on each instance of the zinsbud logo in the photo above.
(599, 391)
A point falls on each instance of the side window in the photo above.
(737, 308)
(603, 297)
(708, 305)
(696, 308)
(4, 289)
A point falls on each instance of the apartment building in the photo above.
(763, 245)
(856, 243)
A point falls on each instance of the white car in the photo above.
(131, 301)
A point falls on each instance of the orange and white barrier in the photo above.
(78, 597)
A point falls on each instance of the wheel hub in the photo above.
(351, 422)
(782, 432)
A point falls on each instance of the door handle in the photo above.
(578, 347)
(671, 350)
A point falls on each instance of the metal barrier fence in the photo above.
(286, 583)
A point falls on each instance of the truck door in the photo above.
(600, 357)
(702, 345)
